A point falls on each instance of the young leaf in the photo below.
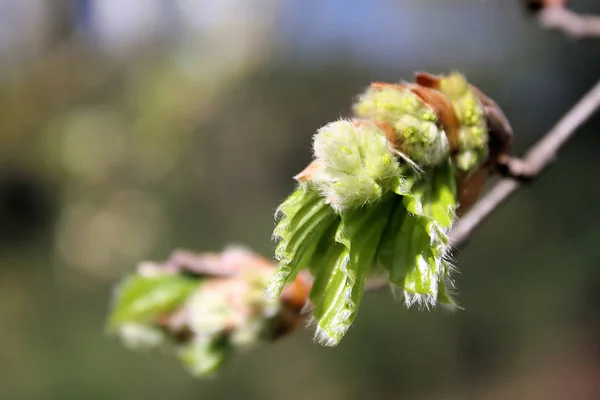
(306, 217)
(139, 298)
(359, 232)
(326, 258)
(447, 287)
(434, 196)
(414, 129)
(473, 133)
(416, 240)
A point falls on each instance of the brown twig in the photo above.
(553, 14)
(571, 23)
(230, 263)
(535, 161)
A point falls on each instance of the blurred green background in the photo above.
(129, 128)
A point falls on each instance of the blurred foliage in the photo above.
(205, 307)
(104, 162)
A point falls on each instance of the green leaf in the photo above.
(335, 285)
(411, 243)
(434, 196)
(407, 254)
(405, 231)
(306, 217)
(139, 298)
(324, 262)
(406, 179)
(447, 288)
(416, 241)
(359, 233)
(419, 275)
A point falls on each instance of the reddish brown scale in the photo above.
(434, 99)
(499, 142)
(444, 110)
(469, 188)
(427, 80)
(426, 88)
(383, 85)
(387, 129)
(500, 135)
(307, 173)
(294, 298)
(499, 129)
(390, 134)
(296, 294)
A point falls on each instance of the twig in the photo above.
(534, 162)
(569, 22)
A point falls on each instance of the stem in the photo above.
(535, 161)
(570, 23)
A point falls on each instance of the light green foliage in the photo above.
(423, 141)
(388, 103)
(359, 232)
(473, 133)
(416, 243)
(202, 320)
(357, 162)
(237, 306)
(379, 197)
(305, 216)
(341, 257)
(226, 315)
(404, 230)
(140, 298)
(415, 123)
(366, 208)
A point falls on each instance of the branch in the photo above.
(228, 309)
(553, 14)
(571, 23)
(535, 161)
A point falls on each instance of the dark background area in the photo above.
(131, 127)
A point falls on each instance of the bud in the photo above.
(415, 127)
(473, 133)
(357, 163)
(204, 307)
(415, 246)
(422, 141)
(359, 207)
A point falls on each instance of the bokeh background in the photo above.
(129, 128)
